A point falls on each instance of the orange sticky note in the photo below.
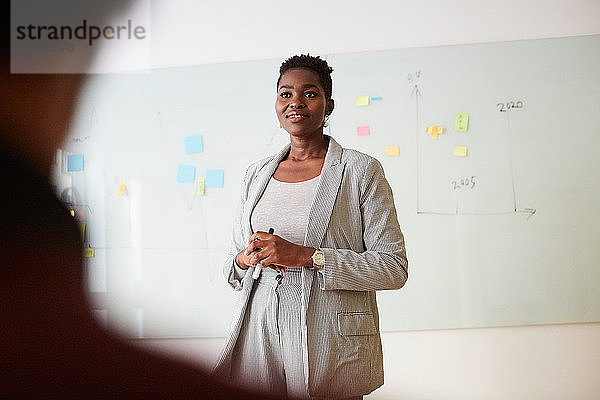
(122, 188)
(392, 150)
(460, 151)
(362, 131)
(436, 130)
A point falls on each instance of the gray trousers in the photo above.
(268, 353)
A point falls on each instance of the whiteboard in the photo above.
(506, 235)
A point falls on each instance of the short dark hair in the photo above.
(313, 63)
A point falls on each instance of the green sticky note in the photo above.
(462, 122)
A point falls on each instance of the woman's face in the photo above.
(301, 105)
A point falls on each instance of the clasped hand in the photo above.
(274, 252)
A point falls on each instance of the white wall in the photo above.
(541, 362)
(188, 32)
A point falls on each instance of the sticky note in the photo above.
(462, 122)
(460, 151)
(201, 187)
(186, 174)
(392, 150)
(434, 131)
(376, 98)
(214, 178)
(193, 144)
(122, 188)
(362, 130)
(75, 163)
(89, 252)
(362, 100)
(82, 230)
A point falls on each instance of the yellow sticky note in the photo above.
(201, 186)
(438, 130)
(462, 122)
(362, 100)
(434, 135)
(392, 150)
(122, 188)
(429, 129)
(82, 230)
(89, 252)
(460, 151)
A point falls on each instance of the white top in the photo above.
(284, 206)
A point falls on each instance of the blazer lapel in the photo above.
(320, 211)
(325, 195)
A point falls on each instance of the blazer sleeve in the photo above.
(233, 273)
(383, 264)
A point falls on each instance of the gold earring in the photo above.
(326, 121)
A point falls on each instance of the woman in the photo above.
(308, 327)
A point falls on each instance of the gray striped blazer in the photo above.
(353, 221)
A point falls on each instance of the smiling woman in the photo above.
(308, 327)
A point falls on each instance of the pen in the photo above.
(259, 267)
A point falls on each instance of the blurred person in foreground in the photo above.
(51, 346)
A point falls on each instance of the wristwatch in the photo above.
(318, 259)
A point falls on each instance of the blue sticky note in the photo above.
(193, 144)
(75, 163)
(376, 98)
(214, 178)
(186, 174)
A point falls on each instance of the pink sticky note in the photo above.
(362, 130)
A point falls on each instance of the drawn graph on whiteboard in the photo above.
(464, 158)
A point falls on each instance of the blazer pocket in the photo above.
(356, 323)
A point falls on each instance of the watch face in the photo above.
(318, 258)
